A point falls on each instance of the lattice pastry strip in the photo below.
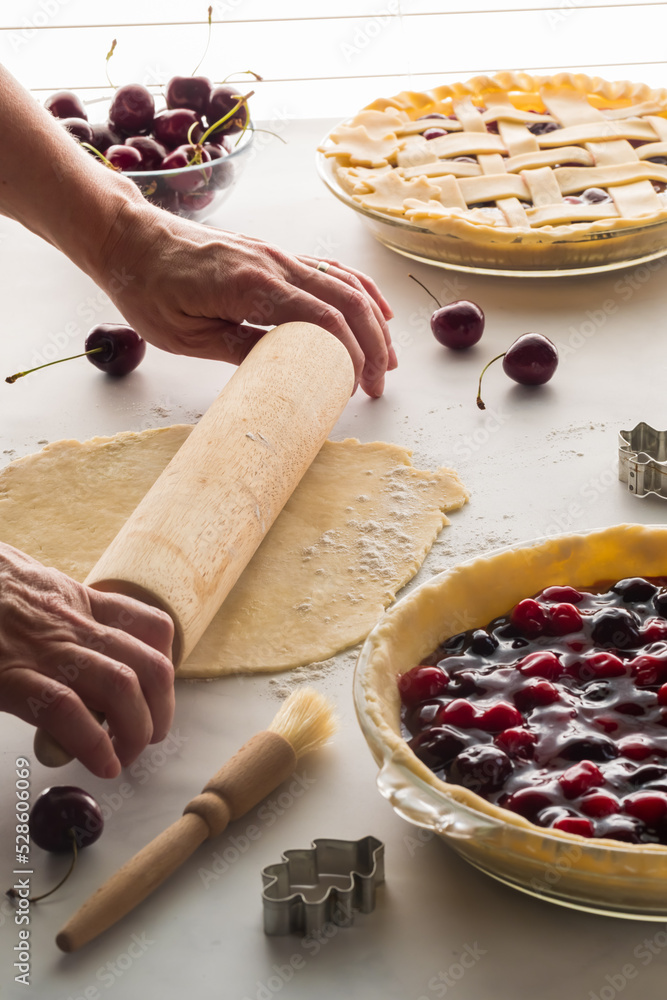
(518, 151)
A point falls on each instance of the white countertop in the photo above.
(537, 462)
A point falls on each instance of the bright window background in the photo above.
(324, 59)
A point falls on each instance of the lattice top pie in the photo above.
(545, 158)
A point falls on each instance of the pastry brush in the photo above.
(304, 723)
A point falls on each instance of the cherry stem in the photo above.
(13, 378)
(101, 156)
(425, 289)
(211, 129)
(106, 70)
(208, 42)
(13, 894)
(267, 130)
(480, 401)
(243, 72)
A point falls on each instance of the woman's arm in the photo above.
(184, 287)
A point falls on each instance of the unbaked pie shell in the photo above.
(596, 874)
(459, 236)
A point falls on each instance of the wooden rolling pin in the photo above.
(195, 531)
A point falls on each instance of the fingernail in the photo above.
(112, 770)
(378, 388)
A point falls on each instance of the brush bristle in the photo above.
(306, 720)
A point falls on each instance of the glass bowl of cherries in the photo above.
(186, 157)
(517, 707)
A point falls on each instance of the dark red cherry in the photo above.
(186, 156)
(615, 628)
(122, 349)
(132, 110)
(531, 360)
(535, 694)
(171, 128)
(193, 92)
(457, 325)
(221, 102)
(567, 594)
(151, 152)
(433, 133)
(103, 137)
(482, 768)
(65, 104)
(580, 778)
(215, 150)
(421, 683)
(517, 743)
(564, 619)
(498, 717)
(124, 157)
(437, 746)
(528, 802)
(599, 804)
(649, 807)
(79, 128)
(111, 347)
(575, 824)
(590, 748)
(543, 663)
(458, 713)
(64, 813)
(530, 617)
(195, 201)
(635, 589)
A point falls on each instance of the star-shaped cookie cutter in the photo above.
(323, 884)
(642, 460)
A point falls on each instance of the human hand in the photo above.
(65, 649)
(193, 290)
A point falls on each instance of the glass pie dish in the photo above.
(598, 875)
(511, 174)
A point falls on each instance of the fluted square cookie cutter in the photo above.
(322, 884)
(642, 461)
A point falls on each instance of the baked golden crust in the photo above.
(512, 185)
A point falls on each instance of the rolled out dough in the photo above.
(357, 528)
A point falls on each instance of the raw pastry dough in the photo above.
(356, 529)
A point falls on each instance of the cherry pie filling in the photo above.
(556, 711)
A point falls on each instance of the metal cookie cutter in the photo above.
(322, 884)
(642, 460)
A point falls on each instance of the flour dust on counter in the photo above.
(357, 528)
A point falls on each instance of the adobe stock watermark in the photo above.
(595, 319)
(107, 975)
(447, 979)
(562, 12)
(469, 444)
(237, 845)
(41, 16)
(312, 944)
(88, 311)
(644, 952)
(369, 30)
(553, 873)
(589, 493)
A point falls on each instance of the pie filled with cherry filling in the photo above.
(556, 711)
(511, 157)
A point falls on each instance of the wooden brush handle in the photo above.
(260, 766)
(197, 528)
